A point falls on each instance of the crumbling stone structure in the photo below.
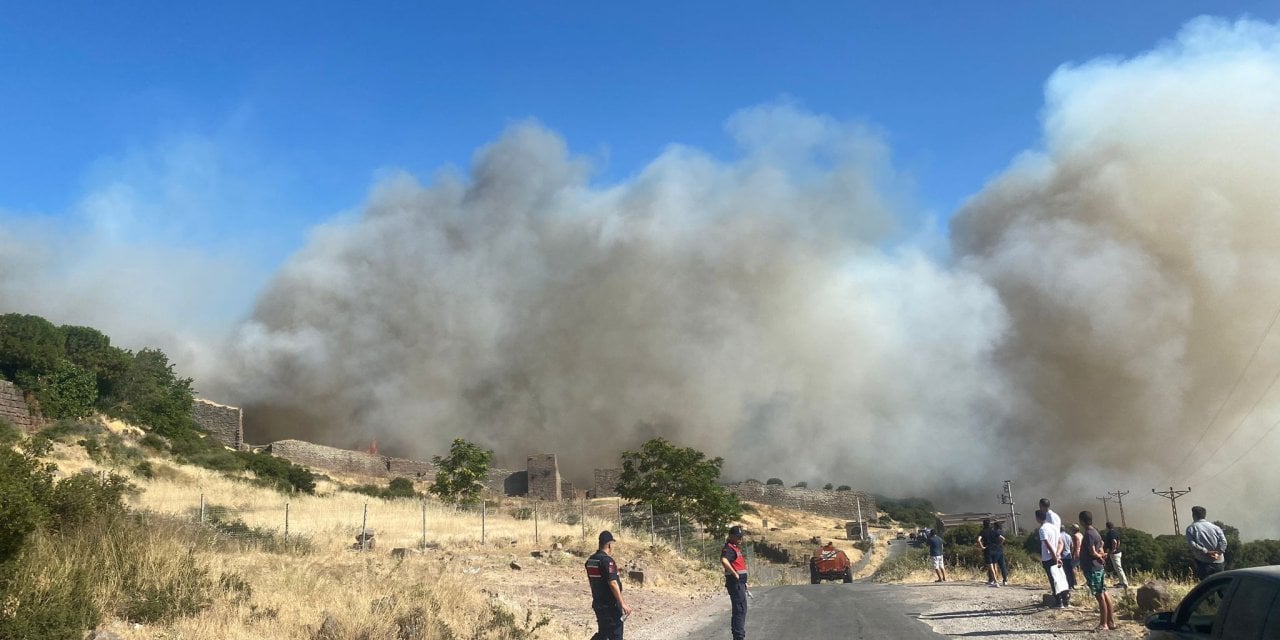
(224, 423)
(544, 477)
(337, 460)
(605, 483)
(14, 408)
(839, 504)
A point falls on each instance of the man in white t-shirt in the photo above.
(1049, 515)
(1051, 556)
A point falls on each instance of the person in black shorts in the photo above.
(606, 591)
(992, 542)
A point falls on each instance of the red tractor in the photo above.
(829, 563)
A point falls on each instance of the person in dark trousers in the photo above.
(1208, 544)
(735, 581)
(1050, 537)
(1111, 542)
(606, 591)
(991, 541)
(999, 555)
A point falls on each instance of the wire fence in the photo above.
(369, 524)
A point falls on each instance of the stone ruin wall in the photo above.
(338, 460)
(14, 408)
(605, 484)
(545, 482)
(838, 504)
(221, 421)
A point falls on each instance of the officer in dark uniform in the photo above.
(606, 591)
(735, 581)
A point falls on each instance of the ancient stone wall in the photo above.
(224, 423)
(336, 460)
(15, 409)
(544, 477)
(605, 483)
(839, 504)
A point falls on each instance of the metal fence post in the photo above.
(286, 519)
(651, 540)
(424, 524)
(680, 531)
(202, 508)
(619, 516)
(364, 527)
(583, 517)
(537, 540)
(483, 509)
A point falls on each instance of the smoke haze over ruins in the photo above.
(1096, 318)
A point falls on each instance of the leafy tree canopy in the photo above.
(460, 476)
(916, 511)
(678, 480)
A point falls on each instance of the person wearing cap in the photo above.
(735, 581)
(606, 591)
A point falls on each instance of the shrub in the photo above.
(801, 485)
(828, 486)
(25, 487)
(777, 481)
(67, 392)
(9, 433)
(844, 487)
(401, 488)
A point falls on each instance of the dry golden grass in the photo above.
(459, 586)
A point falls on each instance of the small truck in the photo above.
(829, 563)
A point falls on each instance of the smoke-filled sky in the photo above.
(1096, 315)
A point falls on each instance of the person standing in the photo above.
(735, 581)
(935, 556)
(992, 544)
(998, 556)
(606, 591)
(1077, 541)
(1093, 562)
(1049, 515)
(1068, 558)
(1208, 544)
(1051, 558)
(1111, 542)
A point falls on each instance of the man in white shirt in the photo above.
(1051, 557)
(1050, 517)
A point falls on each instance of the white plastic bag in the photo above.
(1059, 577)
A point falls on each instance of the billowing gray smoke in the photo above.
(741, 308)
(1100, 324)
(1138, 257)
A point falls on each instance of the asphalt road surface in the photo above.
(858, 611)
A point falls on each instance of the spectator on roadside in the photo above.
(606, 591)
(1208, 544)
(1077, 539)
(1111, 542)
(1050, 517)
(999, 555)
(992, 543)
(935, 557)
(1068, 557)
(1051, 558)
(1093, 561)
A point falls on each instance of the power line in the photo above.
(1119, 495)
(1234, 385)
(1173, 496)
(1105, 513)
(1250, 449)
(1247, 415)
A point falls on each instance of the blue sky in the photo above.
(273, 118)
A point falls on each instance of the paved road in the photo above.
(858, 611)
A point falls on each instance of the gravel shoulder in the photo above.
(972, 609)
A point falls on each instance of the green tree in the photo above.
(777, 481)
(801, 485)
(151, 394)
(26, 485)
(91, 349)
(400, 488)
(30, 347)
(460, 476)
(828, 486)
(1258, 553)
(67, 392)
(678, 480)
(916, 511)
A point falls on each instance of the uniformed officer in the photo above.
(606, 591)
(735, 581)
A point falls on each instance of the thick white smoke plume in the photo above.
(1138, 257)
(740, 308)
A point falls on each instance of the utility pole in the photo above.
(1105, 512)
(1173, 496)
(862, 526)
(1120, 500)
(1007, 498)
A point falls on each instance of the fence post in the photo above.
(680, 531)
(619, 516)
(202, 508)
(364, 526)
(286, 520)
(651, 540)
(537, 541)
(424, 524)
(583, 517)
(483, 508)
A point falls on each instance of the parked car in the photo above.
(830, 563)
(1243, 604)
